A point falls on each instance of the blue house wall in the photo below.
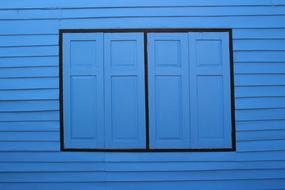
(30, 155)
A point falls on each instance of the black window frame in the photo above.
(145, 31)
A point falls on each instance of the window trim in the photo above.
(145, 32)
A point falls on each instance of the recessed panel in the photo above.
(209, 52)
(168, 90)
(124, 102)
(123, 53)
(167, 53)
(168, 107)
(83, 107)
(82, 52)
(210, 107)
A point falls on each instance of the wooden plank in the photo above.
(259, 91)
(183, 11)
(129, 12)
(259, 68)
(32, 105)
(28, 40)
(36, 14)
(266, 145)
(29, 61)
(260, 135)
(257, 44)
(259, 79)
(33, 4)
(262, 33)
(29, 27)
(34, 126)
(29, 116)
(137, 167)
(260, 114)
(177, 22)
(29, 136)
(260, 125)
(260, 103)
(139, 176)
(29, 51)
(259, 56)
(29, 94)
(21, 72)
(141, 157)
(28, 146)
(28, 83)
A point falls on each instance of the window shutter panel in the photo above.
(124, 90)
(210, 90)
(83, 90)
(168, 76)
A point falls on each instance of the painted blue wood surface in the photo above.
(168, 90)
(197, 79)
(104, 97)
(30, 156)
(124, 90)
(210, 90)
(83, 90)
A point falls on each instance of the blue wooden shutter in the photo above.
(168, 76)
(210, 90)
(124, 90)
(83, 90)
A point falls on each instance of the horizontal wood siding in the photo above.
(30, 156)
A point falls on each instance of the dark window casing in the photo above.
(146, 31)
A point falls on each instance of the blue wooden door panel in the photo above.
(83, 90)
(168, 77)
(124, 90)
(210, 90)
